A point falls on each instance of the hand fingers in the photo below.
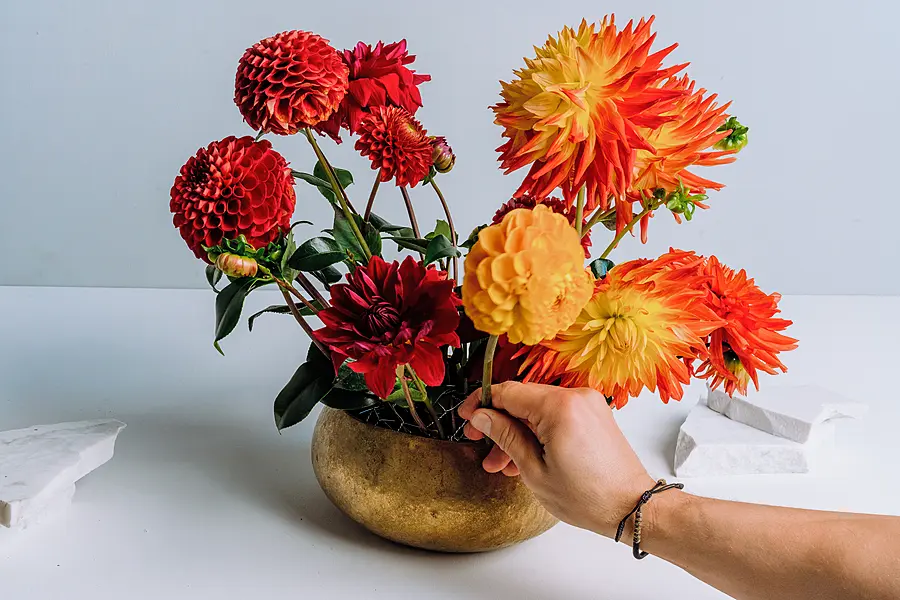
(472, 433)
(511, 470)
(522, 400)
(512, 436)
(496, 460)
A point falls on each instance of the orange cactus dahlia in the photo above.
(289, 81)
(525, 276)
(576, 112)
(396, 144)
(645, 322)
(748, 340)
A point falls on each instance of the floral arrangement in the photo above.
(608, 136)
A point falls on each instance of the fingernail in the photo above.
(482, 423)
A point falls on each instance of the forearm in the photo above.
(754, 552)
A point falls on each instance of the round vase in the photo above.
(421, 492)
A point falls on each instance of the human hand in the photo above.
(567, 448)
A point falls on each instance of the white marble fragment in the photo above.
(40, 465)
(710, 444)
(791, 412)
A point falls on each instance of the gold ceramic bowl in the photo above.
(421, 492)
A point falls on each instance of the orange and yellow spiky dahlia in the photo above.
(525, 276)
(748, 340)
(577, 110)
(644, 324)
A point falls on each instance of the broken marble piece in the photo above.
(791, 412)
(710, 444)
(40, 465)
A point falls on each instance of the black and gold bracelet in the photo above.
(661, 486)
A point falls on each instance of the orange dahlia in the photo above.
(525, 276)
(555, 204)
(233, 187)
(396, 144)
(748, 340)
(289, 81)
(576, 111)
(645, 322)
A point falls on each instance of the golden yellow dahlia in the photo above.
(525, 276)
(576, 111)
(643, 326)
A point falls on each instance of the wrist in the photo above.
(662, 518)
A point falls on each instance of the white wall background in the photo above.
(103, 100)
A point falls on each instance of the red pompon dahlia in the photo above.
(378, 77)
(749, 341)
(391, 314)
(556, 205)
(396, 144)
(230, 188)
(289, 81)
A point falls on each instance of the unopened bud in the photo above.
(442, 154)
(735, 140)
(234, 265)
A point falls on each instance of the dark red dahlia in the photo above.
(555, 204)
(378, 77)
(289, 81)
(391, 314)
(230, 188)
(396, 144)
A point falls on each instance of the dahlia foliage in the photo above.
(602, 128)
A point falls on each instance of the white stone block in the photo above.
(40, 465)
(710, 444)
(791, 412)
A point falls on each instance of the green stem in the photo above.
(409, 401)
(303, 324)
(647, 209)
(579, 211)
(340, 193)
(371, 201)
(488, 372)
(259, 135)
(307, 285)
(411, 212)
(428, 404)
(453, 237)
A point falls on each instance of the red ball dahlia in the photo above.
(230, 188)
(397, 144)
(378, 77)
(289, 81)
(391, 314)
(556, 205)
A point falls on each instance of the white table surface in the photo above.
(205, 500)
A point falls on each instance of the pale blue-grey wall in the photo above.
(102, 101)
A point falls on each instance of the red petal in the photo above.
(428, 363)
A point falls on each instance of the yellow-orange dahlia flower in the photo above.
(644, 324)
(525, 276)
(576, 111)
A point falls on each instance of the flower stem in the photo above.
(409, 401)
(599, 215)
(288, 288)
(488, 371)
(306, 328)
(579, 210)
(340, 193)
(653, 205)
(411, 212)
(371, 201)
(453, 237)
(428, 404)
(259, 135)
(307, 285)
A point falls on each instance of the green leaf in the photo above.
(312, 180)
(317, 253)
(301, 394)
(346, 239)
(372, 236)
(601, 267)
(290, 246)
(282, 309)
(349, 379)
(344, 177)
(398, 397)
(229, 304)
(382, 225)
(343, 399)
(440, 228)
(411, 243)
(328, 275)
(439, 247)
(213, 276)
(473, 237)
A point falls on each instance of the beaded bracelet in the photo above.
(661, 486)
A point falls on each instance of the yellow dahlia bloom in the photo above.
(576, 111)
(643, 326)
(525, 276)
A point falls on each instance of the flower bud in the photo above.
(442, 154)
(234, 265)
(737, 139)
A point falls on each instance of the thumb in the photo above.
(513, 437)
